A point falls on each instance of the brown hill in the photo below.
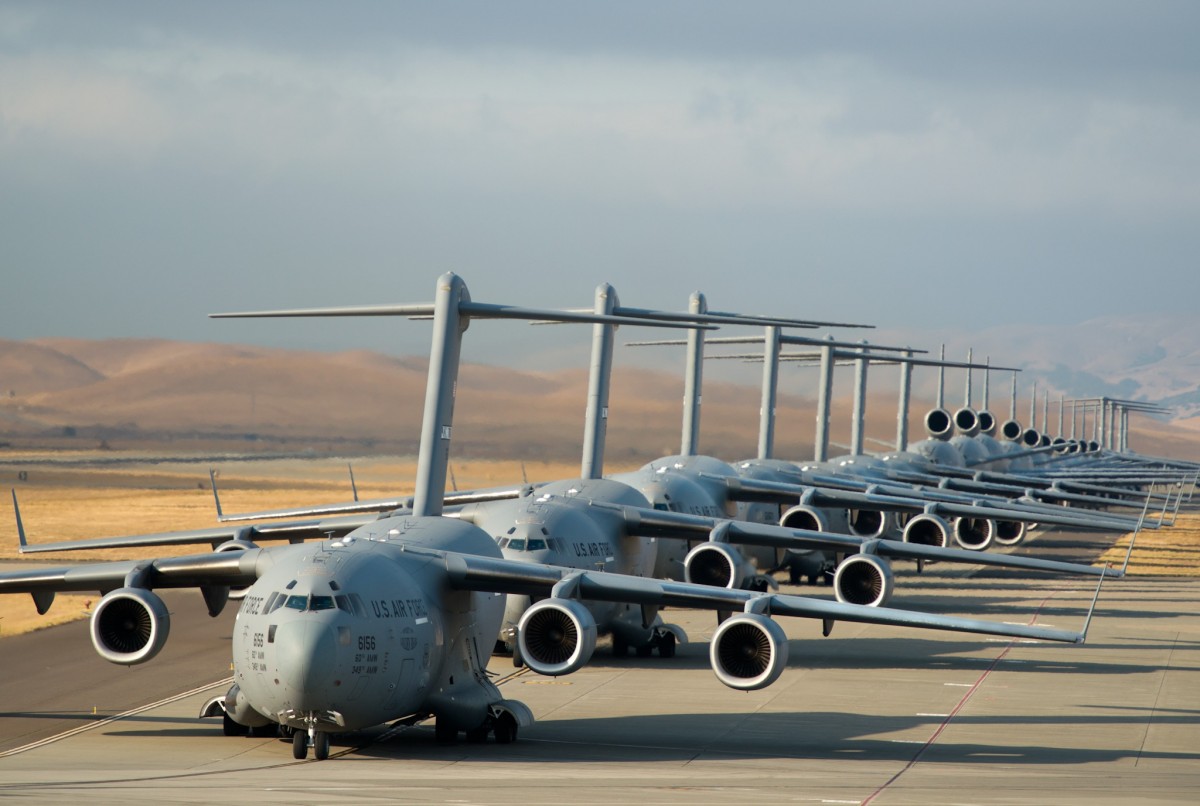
(155, 393)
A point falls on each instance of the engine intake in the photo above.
(974, 534)
(1010, 533)
(868, 522)
(803, 516)
(748, 651)
(130, 626)
(938, 424)
(556, 636)
(717, 564)
(966, 422)
(864, 579)
(927, 530)
(1011, 430)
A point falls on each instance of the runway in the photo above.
(869, 715)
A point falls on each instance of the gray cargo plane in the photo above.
(388, 621)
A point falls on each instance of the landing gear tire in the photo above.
(666, 645)
(300, 745)
(620, 647)
(518, 659)
(231, 728)
(505, 729)
(320, 745)
(644, 651)
(478, 735)
(444, 733)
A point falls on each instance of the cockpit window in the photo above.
(661, 507)
(343, 603)
(310, 603)
(517, 544)
(536, 544)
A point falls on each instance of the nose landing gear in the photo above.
(317, 739)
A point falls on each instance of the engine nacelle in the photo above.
(1011, 430)
(864, 579)
(1030, 438)
(556, 636)
(987, 423)
(717, 564)
(748, 651)
(974, 534)
(868, 522)
(802, 516)
(966, 422)
(938, 424)
(928, 530)
(130, 626)
(1009, 533)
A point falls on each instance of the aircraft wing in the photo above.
(376, 505)
(469, 572)
(657, 523)
(293, 532)
(778, 492)
(212, 573)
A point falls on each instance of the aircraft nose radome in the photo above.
(307, 651)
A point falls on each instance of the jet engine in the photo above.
(130, 625)
(1009, 533)
(1011, 430)
(556, 636)
(802, 516)
(717, 564)
(868, 522)
(987, 423)
(974, 534)
(938, 424)
(748, 651)
(1031, 438)
(864, 579)
(966, 422)
(927, 530)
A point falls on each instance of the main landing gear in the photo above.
(502, 725)
(664, 641)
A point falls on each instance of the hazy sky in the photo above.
(942, 164)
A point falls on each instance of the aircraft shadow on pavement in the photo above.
(772, 735)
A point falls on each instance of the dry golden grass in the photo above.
(1173, 551)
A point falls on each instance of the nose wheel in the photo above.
(318, 739)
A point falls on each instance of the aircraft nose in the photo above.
(307, 653)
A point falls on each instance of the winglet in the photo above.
(353, 486)
(1088, 621)
(212, 477)
(21, 542)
